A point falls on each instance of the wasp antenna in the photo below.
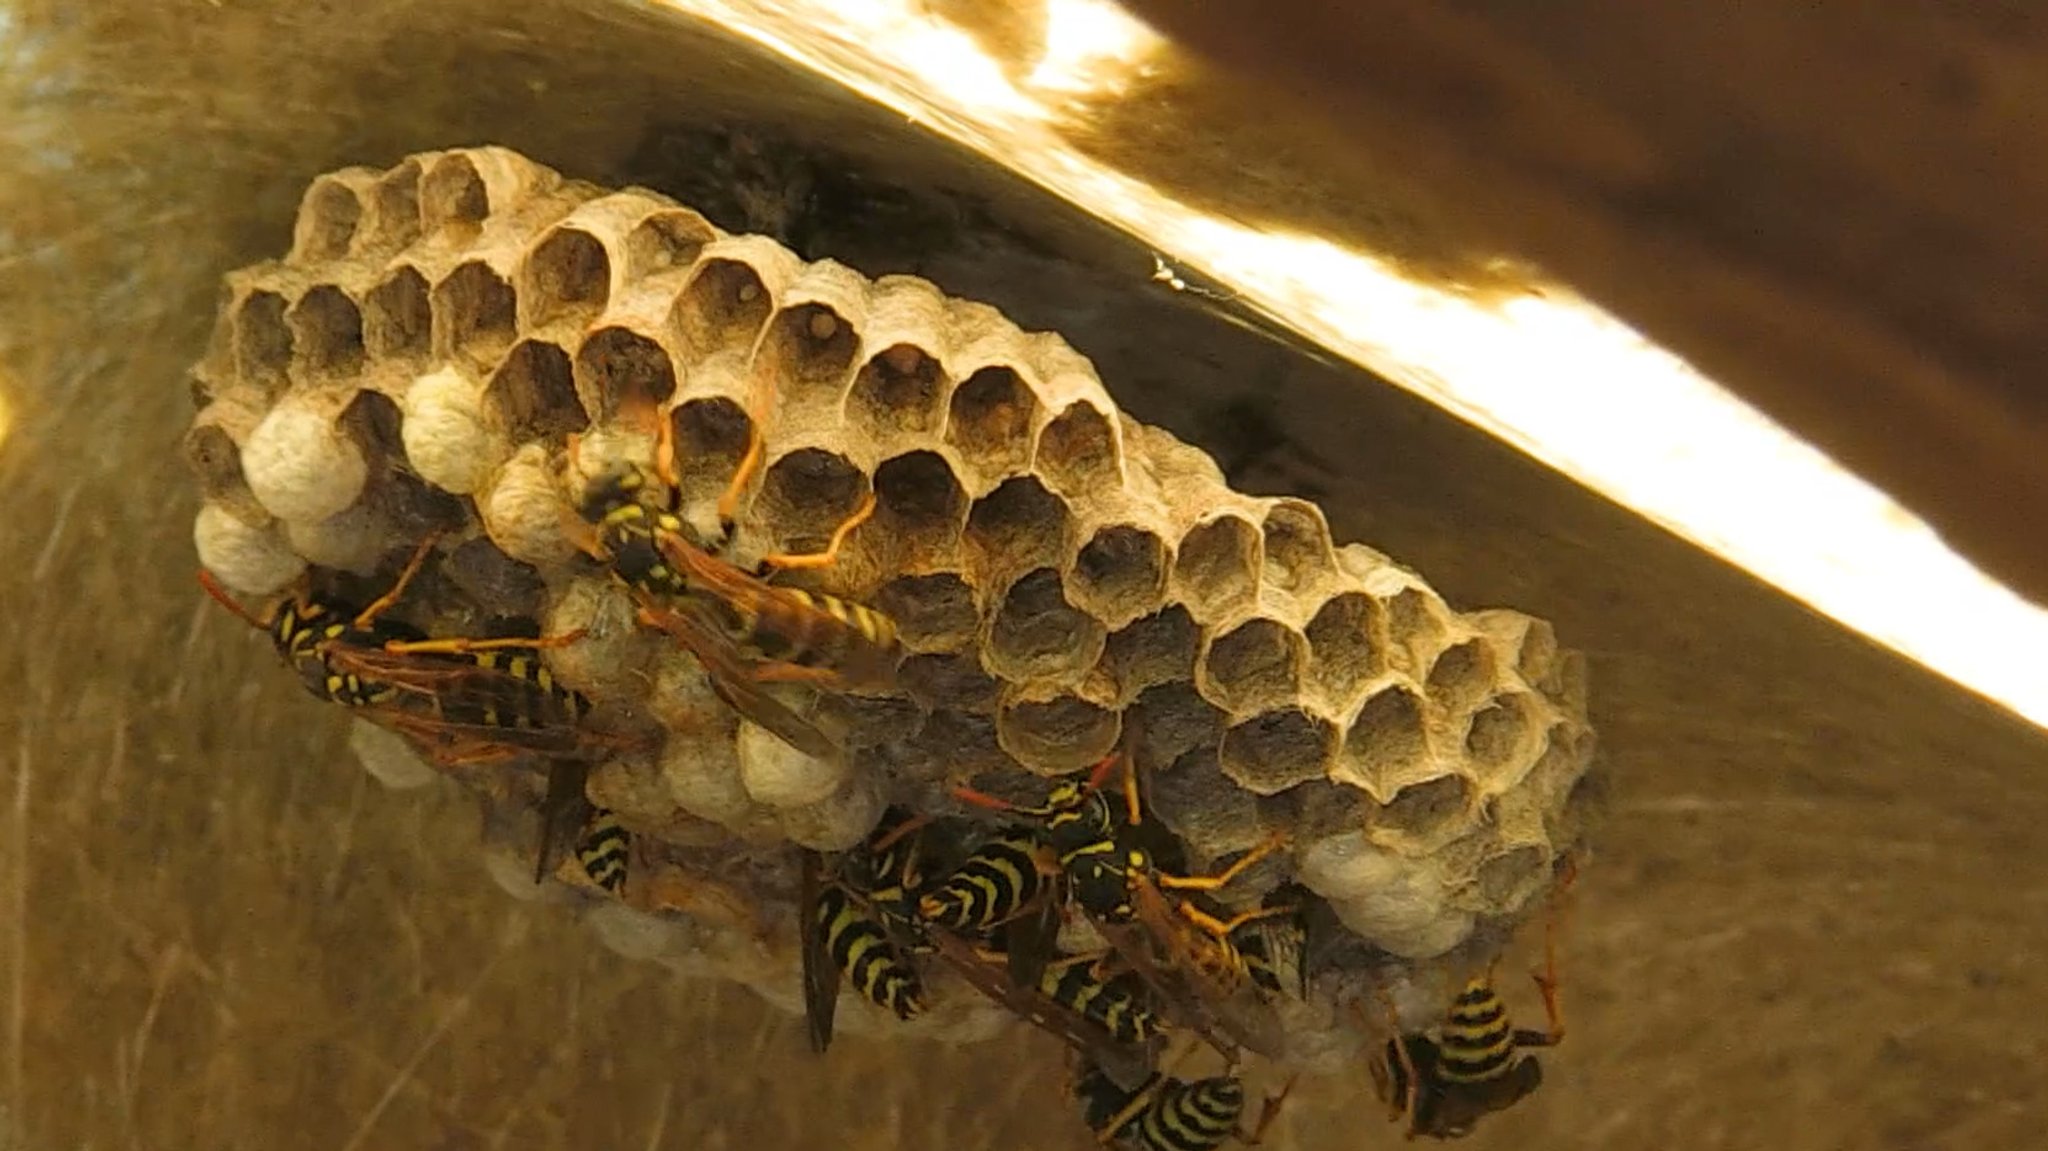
(895, 834)
(1268, 1112)
(982, 799)
(1099, 774)
(220, 596)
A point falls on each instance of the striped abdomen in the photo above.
(1476, 1041)
(517, 691)
(990, 887)
(1181, 1115)
(605, 850)
(861, 949)
(1117, 1003)
(810, 629)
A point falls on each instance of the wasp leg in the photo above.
(1553, 1010)
(665, 454)
(970, 795)
(382, 603)
(1268, 1112)
(830, 556)
(750, 462)
(794, 673)
(458, 645)
(1222, 878)
(1224, 928)
(1411, 1084)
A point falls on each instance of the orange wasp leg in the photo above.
(794, 673)
(1268, 1112)
(1412, 1084)
(897, 833)
(750, 462)
(382, 603)
(1546, 979)
(830, 556)
(1224, 928)
(1131, 805)
(459, 645)
(1265, 848)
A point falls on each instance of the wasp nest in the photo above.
(1061, 575)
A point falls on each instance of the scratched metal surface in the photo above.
(1813, 910)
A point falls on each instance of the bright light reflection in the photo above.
(1090, 45)
(1546, 371)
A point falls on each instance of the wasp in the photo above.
(1183, 951)
(1169, 1114)
(1081, 827)
(463, 702)
(1470, 1067)
(477, 699)
(858, 923)
(746, 631)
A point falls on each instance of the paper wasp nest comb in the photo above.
(1060, 574)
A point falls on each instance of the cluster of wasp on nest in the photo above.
(842, 632)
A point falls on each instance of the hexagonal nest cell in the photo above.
(1051, 581)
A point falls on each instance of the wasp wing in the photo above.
(1178, 961)
(820, 973)
(732, 682)
(563, 812)
(1125, 1062)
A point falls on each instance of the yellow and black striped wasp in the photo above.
(464, 701)
(1469, 1066)
(1169, 1114)
(856, 922)
(747, 632)
(461, 702)
(1183, 950)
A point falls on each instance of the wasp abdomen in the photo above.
(604, 851)
(862, 950)
(1476, 1040)
(1117, 1004)
(990, 887)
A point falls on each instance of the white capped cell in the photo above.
(251, 561)
(524, 511)
(386, 755)
(704, 779)
(446, 439)
(781, 776)
(351, 540)
(840, 820)
(300, 465)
